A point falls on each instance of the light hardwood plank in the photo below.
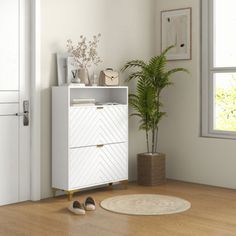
(213, 213)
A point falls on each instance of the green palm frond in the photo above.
(136, 114)
(143, 103)
(135, 75)
(134, 63)
(167, 50)
(175, 70)
(152, 78)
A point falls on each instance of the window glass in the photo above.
(225, 101)
(224, 33)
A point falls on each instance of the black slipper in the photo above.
(77, 208)
(89, 204)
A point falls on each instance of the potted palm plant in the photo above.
(152, 78)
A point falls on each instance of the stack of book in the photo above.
(83, 102)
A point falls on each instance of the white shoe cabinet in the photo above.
(89, 143)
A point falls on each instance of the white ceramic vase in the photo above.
(84, 76)
(76, 80)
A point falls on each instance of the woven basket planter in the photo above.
(151, 169)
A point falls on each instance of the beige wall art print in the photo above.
(176, 31)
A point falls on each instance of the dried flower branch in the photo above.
(85, 52)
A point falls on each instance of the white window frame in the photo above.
(208, 69)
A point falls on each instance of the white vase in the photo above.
(84, 76)
(76, 80)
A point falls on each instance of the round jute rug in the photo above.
(145, 204)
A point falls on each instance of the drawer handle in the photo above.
(100, 146)
(100, 108)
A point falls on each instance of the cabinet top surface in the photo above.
(91, 87)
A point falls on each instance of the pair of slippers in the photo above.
(79, 209)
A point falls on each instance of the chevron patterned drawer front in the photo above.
(94, 165)
(84, 167)
(92, 126)
(113, 124)
(84, 127)
(113, 163)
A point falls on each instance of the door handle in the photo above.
(100, 145)
(25, 113)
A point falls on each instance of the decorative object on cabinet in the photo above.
(83, 102)
(109, 77)
(89, 142)
(152, 78)
(95, 80)
(176, 30)
(85, 55)
(73, 72)
(62, 68)
(84, 76)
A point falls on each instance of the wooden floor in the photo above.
(213, 213)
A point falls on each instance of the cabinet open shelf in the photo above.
(102, 95)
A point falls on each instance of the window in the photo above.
(219, 68)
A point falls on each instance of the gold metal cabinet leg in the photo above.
(68, 192)
(70, 195)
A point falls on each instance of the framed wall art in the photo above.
(72, 70)
(176, 30)
(62, 68)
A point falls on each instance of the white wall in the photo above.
(128, 30)
(190, 157)
(127, 33)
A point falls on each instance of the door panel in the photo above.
(14, 88)
(9, 45)
(9, 97)
(9, 159)
(8, 109)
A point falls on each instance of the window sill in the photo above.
(220, 135)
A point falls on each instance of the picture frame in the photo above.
(62, 68)
(176, 27)
(72, 69)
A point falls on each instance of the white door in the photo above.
(14, 90)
